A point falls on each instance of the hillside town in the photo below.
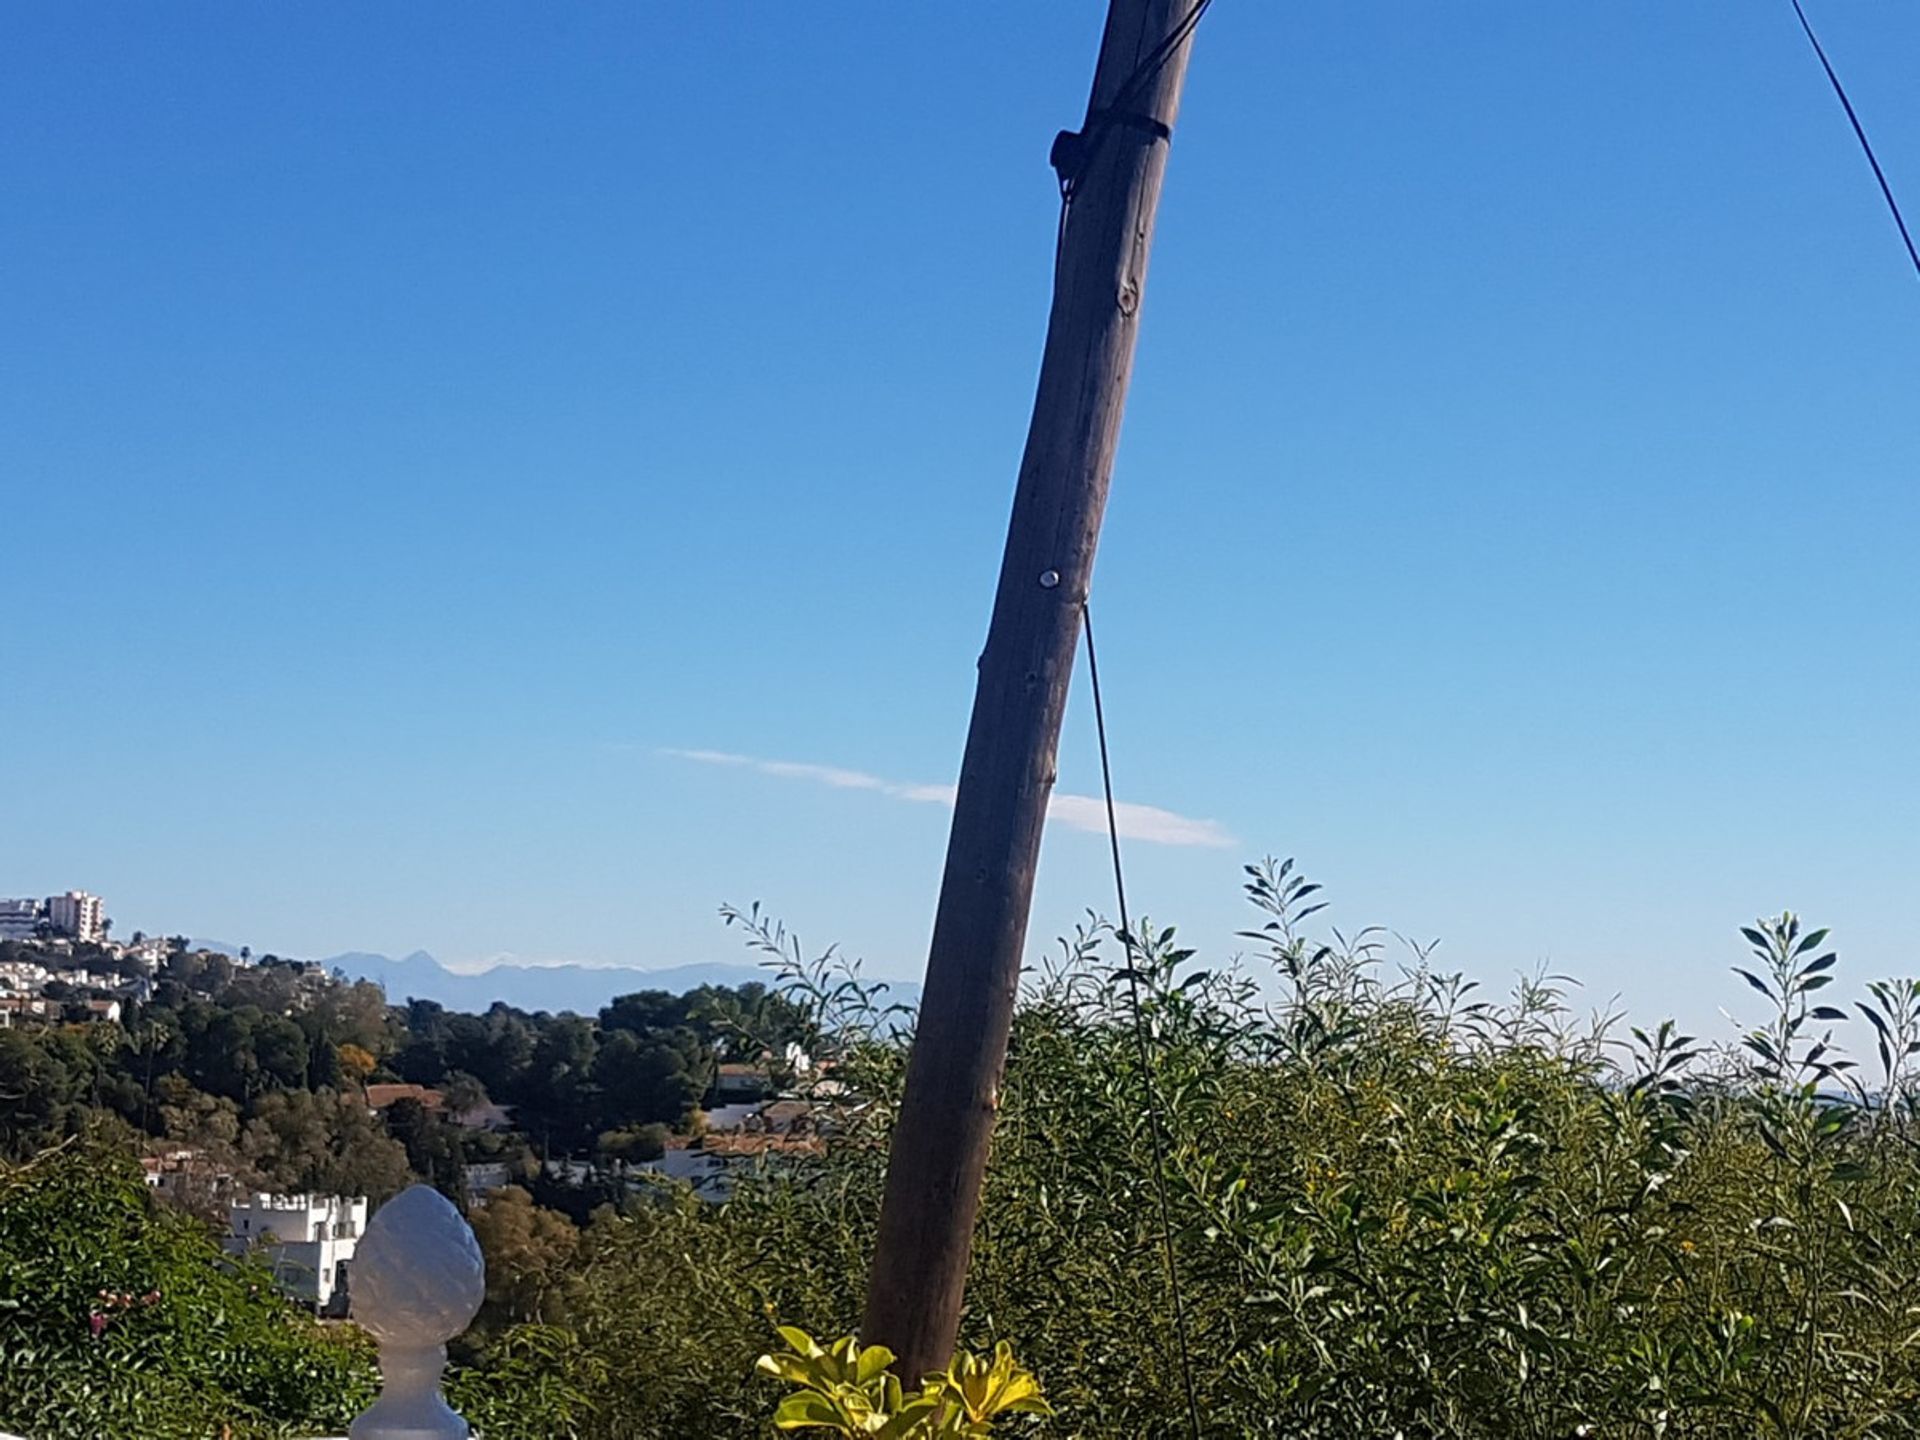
(58, 962)
(232, 1068)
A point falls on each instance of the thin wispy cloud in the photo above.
(1148, 823)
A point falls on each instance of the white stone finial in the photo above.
(417, 1280)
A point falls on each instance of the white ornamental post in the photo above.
(417, 1281)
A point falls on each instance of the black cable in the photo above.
(1141, 1041)
(1073, 153)
(1157, 57)
(1860, 133)
(1074, 150)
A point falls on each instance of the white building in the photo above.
(23, 975)
(700, 1168)
(149, 950)
(308, 1240)
(20, 918)
(78, 915)
(485, 1178)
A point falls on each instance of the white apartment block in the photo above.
(309, 1241)
(20, 918)
(77, 915)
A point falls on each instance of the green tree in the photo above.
(634, 1145)
(120, 1319)
(643, 1012)
(280, 1052)
(432, 1146)
(464, 1093)
(220, 1057)
(529, 1251)
(324, 1143)
(35, 1091)
(557, 1098)
(655, 1076)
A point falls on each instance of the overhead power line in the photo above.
(1156, 1121)
(1860, 132)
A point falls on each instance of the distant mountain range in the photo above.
(579, 988)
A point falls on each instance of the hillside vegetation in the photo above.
(1397, 1209)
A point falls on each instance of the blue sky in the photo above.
(449, 454)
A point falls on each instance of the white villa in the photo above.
(308, 1239)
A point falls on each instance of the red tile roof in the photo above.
(381, 1096)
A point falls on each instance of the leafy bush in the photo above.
(849, 1389)
(118, 1318)
(533, 1384)
(1398, 1208)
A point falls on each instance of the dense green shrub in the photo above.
(121, 1318)
(1398, 1210)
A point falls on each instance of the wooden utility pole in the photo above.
(1114, 166)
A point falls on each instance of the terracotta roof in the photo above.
(381, 1096)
